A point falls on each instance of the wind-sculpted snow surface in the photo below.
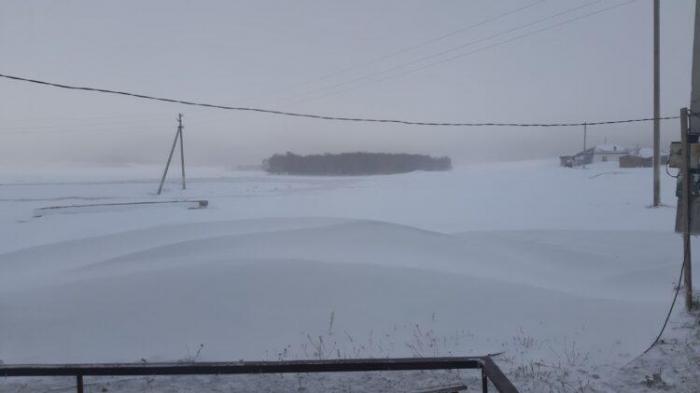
(251, 294)
(574, 270)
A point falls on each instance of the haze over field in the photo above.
(364, 179)
(332, 57)
(529, 258)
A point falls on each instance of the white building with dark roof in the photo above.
(598, 153)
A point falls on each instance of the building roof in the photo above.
(611, 148)
(645, 152)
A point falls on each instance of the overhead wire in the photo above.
(452, 49)
(325, 117)
(424, 43)
(677, 290)
(406, 122)
(456, 57)
(669, 172)
(686, 260)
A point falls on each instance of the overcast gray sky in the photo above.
(505, 60)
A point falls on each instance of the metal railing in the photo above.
(489, 369)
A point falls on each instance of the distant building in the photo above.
(641, 158)
(599, 153)
(566, 161)
(631, 161)
(603, 153)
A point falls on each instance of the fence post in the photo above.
(79, 383)
(484, 381)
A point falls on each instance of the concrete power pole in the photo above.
(585, 132)
(695, 74)
(178, 136)
(686, 209)
(182, 149)
(690, 134)
(657, 137)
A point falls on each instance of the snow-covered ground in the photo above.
(554, 266)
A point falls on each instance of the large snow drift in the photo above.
(480, 259)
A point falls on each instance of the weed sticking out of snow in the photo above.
(672, 365)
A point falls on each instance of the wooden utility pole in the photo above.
(178, 136)
(686, 210)
(657, 137)
(585, 131)
(182, 149)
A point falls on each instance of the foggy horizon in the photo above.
(444, 221)
(331, 58)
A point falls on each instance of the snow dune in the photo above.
(250, 288)
(526, 258)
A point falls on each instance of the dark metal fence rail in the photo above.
(489, 370)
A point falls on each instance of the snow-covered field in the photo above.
(554, 266)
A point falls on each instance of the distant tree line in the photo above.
(353, 163)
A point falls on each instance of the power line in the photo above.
(327, 117)
(521, 36)
(456, 57)
(452, 49)
(439, 38)
(677, 289)
(423, 43)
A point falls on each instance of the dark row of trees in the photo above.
(353, 163)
